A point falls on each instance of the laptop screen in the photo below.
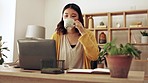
(32, 52)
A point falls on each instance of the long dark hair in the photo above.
(60, 26)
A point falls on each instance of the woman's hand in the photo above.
(80, 27)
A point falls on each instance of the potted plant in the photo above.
(100, 62)
(119, 58)
(144, 38)
(1, 51)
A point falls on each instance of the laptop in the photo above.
(33, 52)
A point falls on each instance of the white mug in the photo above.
(69, 22)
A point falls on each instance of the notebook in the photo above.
(90, 71)
(33, 52)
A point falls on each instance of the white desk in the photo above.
(16, 75)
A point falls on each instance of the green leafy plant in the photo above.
(112, 49)
(101, 59)
(102, 23)
(144, 33)
(2, 49)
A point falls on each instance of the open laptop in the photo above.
(33, 52)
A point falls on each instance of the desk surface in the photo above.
(133, 77)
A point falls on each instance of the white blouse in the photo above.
(73, 56)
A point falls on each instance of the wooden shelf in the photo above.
(117, 29)
(91, 29)
(97, 14)
(101, 44)
(140, 44)
(116, 13)
(110, 29)
(136, 12)
(139, 28)
(101, 29)
(129, 28)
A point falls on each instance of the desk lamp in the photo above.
(35, 32)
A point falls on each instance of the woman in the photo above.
(74, 44)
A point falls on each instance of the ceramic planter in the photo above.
(1, 61)
(119, 65)
(100, 65)
(144, 39)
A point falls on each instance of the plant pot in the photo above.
(1, 61)
(100, 65)
(119, 65)
(144, 39)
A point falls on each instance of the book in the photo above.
(90, 71)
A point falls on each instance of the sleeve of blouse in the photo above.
(90, 45)
(53, 36)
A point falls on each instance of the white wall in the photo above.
(27, 12)
(7, 26)
(52, 15)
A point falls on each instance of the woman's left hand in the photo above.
(80, 27)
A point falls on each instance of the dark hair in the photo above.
(60, 26)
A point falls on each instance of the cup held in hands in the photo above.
(69, 22)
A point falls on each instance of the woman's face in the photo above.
(70, 13)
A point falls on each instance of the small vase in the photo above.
(91, 22)
(100, 65)
(144, 39)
